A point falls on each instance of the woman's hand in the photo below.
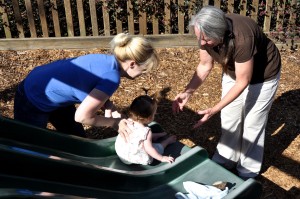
(179, 102)
(110, 110)
(123, 128)
(208, 113)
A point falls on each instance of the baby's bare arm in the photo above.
(153, 152)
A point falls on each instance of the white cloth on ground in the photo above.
(199, 191)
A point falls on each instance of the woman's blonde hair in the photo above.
(139, 49)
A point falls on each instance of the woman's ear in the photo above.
(132, 64)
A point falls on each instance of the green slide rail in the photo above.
(44, 161)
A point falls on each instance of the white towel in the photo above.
(199, 191)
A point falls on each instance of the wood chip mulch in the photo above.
(281, 170)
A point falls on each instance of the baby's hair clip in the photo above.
(146, 90)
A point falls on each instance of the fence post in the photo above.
(254, 10)
(5, 21)
(81, 18)
(180, 17)
(18, 18)
(55, 19)
(167, 16)
(69, 18)
(243, 7)
(130, 18)
(93, 13)
(267, 22)
(41, 11)
(217, 3)
(105, 19)
(142, 21)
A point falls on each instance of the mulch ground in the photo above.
(280, 175)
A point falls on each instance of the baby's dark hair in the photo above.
(142, 108)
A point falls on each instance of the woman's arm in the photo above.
(203, 69)
(87, 111)
(110, 110)
(243, 72)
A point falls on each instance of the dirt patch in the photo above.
(281, 169)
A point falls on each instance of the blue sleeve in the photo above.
(109, 84)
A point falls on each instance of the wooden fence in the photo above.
(91, 23)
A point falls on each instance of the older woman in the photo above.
(251, 66)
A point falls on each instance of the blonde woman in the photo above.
(49, 92)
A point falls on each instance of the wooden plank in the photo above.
(293, 15)
(42, 16)
(130, 18)
(159, 41)
(155, 25)
(230, 6)
(293, 11)
(118, 21)
(80, 12)
(119, 25)
(69, 18)
(280, 16)
(5, 21)
(93, 13)
(142, 21)
(167, 20)
(191, 13)
(217, 3)
(205, 2)
(105, 19)
(55, 19)
(18, 18)
(180, 17)
(267, 20)
(243, 4)
(30, 18)
(89, 42)
(254, 11)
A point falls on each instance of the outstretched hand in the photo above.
(179, 102)
(206, 115)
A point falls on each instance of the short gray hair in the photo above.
(211, 21)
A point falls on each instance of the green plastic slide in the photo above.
(35, 161)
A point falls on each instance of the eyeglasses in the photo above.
(203, 41)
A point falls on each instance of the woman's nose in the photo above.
(202, 42)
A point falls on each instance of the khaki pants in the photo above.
(243, 127)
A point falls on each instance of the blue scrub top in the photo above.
(69, 81)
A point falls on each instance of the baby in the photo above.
(139, 148)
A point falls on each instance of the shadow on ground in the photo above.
(282, 129)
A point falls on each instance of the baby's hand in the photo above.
(168, 159)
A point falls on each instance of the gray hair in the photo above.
(211, 21)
